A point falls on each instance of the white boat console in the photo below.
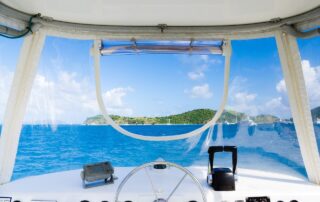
(67, 187)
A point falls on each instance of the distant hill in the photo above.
(197, 116)
(264, 118)
(315, 112)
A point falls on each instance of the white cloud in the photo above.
(240, 99)
(312, 79)
(114, 97)
(196, 75)
(200, 65)
(5, 84)
(280, 105)
(124, 111)
(244, 102)
(238, 84)
(66, 98)
(201, 91)
(204, 58)
(276, 106)
(281, 86)
(244, 97)
(115, 103)
(198, 72)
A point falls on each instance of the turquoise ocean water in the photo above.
(45, 149)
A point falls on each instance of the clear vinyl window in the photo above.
(9, 54)
(158, 94)
(309, 50)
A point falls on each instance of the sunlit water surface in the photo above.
(46, 149)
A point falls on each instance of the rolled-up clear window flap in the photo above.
(109, 47)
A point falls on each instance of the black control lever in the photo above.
(222, 179)
(233, 149)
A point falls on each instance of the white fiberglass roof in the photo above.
(170, 12)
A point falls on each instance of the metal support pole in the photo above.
(299, 104)
(17, 102)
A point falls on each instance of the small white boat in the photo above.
(247, 122)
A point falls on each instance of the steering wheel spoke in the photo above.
(146, 166)
(151, 183)
(176, 187)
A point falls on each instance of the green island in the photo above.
(197, 116)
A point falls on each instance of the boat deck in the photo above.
(67, 187)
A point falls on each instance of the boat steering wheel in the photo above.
(162, 165)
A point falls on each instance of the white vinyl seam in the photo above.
(299, 105)
(17, 102)
(96, 55)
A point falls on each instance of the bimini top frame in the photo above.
(15, 23)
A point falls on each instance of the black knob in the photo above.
(294, 201)
(84, 201)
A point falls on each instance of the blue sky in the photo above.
(155, 85)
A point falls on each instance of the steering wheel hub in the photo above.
(160, 200)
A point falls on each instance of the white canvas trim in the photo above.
(299, 104)
(17, 102)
